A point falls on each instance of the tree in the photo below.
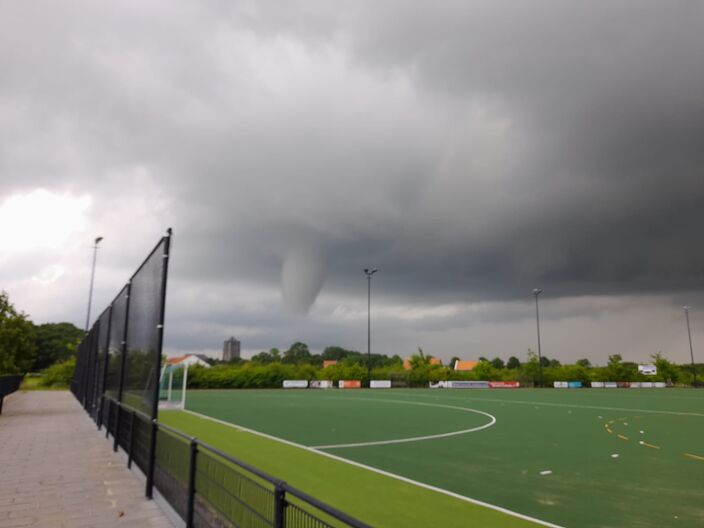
(531, 369)
(451, 365)
(497, 363)
(263, 358)
(337, 353)
(55, 342)
(544, 361)
(583, 363)
(298, 353)
(667, 371)
(513, 363)
(615, 369)
(420, 359)
(17, 348)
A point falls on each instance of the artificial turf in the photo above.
(550, 454)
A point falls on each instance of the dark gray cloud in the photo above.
(471, 150)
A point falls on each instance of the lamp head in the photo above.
(537, 291)
(369, 272)
(98, 240)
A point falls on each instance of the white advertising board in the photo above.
(320, 384)
(467, 384)
(560, 384)
(610, 385)
(295, 384)
(659, 384)
(597, 384)
(380, 384)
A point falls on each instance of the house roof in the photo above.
(180, 359)
(465, 365)
(176, 360)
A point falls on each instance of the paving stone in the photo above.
(58, 471)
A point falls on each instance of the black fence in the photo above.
(8, 385)
(117, 382)
(211, 489)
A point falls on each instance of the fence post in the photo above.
(116, 432)
(152, 461)
(279, 505)
(107, 421)
(100, 411)
(191, 483)
(131, 448)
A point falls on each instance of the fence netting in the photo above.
(118, 320)
(143, 352)
(121, 354)
(117, 381)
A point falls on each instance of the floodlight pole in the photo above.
(536, 292)
(92, 276)
(369, 272)
(691, 350)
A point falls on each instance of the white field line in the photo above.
(596, 407)
(492, 421)
(379, 471)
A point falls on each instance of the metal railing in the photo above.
(209, 488)
(8, 385)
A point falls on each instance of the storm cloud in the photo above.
(470, 150)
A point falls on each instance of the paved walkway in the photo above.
(58, 471)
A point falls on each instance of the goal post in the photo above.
(172, 386)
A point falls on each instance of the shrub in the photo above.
(59, 374)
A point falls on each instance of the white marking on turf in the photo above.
(492, 421)
(546, 472)
(595, 407)
(380, 471)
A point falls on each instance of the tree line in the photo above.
(268, 369)
(26, 347)
(51, 348)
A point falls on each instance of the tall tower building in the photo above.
(231, 349)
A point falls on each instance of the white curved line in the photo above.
(417, 438)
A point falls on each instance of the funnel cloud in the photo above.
(302, 277)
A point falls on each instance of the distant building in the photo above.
(647, 370)
(231, 349)
(329, 362)
(465, 365)
(189, 360)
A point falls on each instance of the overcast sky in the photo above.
(471, 151)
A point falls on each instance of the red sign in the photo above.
(504, 384)
(350, 384)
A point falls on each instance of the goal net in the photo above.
(172, 387)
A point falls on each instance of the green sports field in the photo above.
(591, 457)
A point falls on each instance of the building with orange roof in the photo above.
(465, 365)
(189, 360)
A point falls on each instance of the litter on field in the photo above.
(546, 472)
(615, 455)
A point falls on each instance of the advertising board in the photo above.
(295, 384)
(349, 384)
(504, 384)
(320, 384)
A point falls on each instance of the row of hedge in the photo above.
(253, 375)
